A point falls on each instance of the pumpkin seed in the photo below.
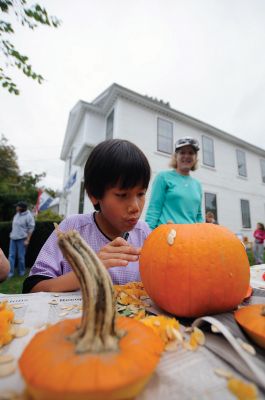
(170, 239)
(169, 333)
(199, 336)
(18, 321)
(223, 373)
(54, 302)
(247, 347)
(171, 346)
(7, 369)
(6, 358)
(10, 395)
(214, 329)
(16, 305)
(62, 314)
(21, 331)
(178, 336)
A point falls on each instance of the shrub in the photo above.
(48, 215)
(42, 231)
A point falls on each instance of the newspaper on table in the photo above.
(256, 276)
(181, 374)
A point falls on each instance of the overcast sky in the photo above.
(206, 57)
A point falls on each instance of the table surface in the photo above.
(180, 374)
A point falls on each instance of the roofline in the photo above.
(74, 119)
(118, 90)
(114, 91)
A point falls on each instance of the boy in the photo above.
(117, 175)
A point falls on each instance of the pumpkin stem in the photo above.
(96, 332)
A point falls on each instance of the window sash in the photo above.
(245, 211)
(110, 125)
(210, 200)
(208, 151)
(241, 163)
(81, 198)
(262, 166)
(164, 136)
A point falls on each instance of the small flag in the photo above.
(37, 206)
(43, 201)
(70, 181)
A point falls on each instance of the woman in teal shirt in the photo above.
(176, 196)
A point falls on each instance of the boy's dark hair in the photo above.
(115, 162)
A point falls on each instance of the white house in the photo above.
(232, 171)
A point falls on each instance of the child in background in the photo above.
(258, 247)
(209, 218)
(117, 175)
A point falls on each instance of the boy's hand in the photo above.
(118, 253)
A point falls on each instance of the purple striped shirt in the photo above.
(50, 261)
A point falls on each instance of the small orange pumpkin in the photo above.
(98, 357)
(6, 319)
(194, 269)
(252, 319)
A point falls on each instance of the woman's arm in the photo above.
(157, 200)
(199, 217)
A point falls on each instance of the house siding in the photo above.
(137, 122)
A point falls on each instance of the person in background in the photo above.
(4, 266)
(209, 218)
(116, 178)
(22, 227)
(258, 247)
(176, 197)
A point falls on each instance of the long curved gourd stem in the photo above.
(97, 331)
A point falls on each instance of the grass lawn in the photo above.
(13, 285)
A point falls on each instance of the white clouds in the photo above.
(206, 57)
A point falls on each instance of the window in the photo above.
(241, 163)
(262, 165)
(246, 223)
(207, 151)
(211, 204)
(81, 198)
(164, 136)
(109, 125)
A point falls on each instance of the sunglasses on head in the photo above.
(187, 142)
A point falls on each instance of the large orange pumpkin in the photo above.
(97, 357)
(196, 269)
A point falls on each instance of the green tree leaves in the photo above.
(14, 186)
(31, 17)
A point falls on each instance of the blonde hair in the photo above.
(173, 163)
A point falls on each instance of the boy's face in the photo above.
(120, 209)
